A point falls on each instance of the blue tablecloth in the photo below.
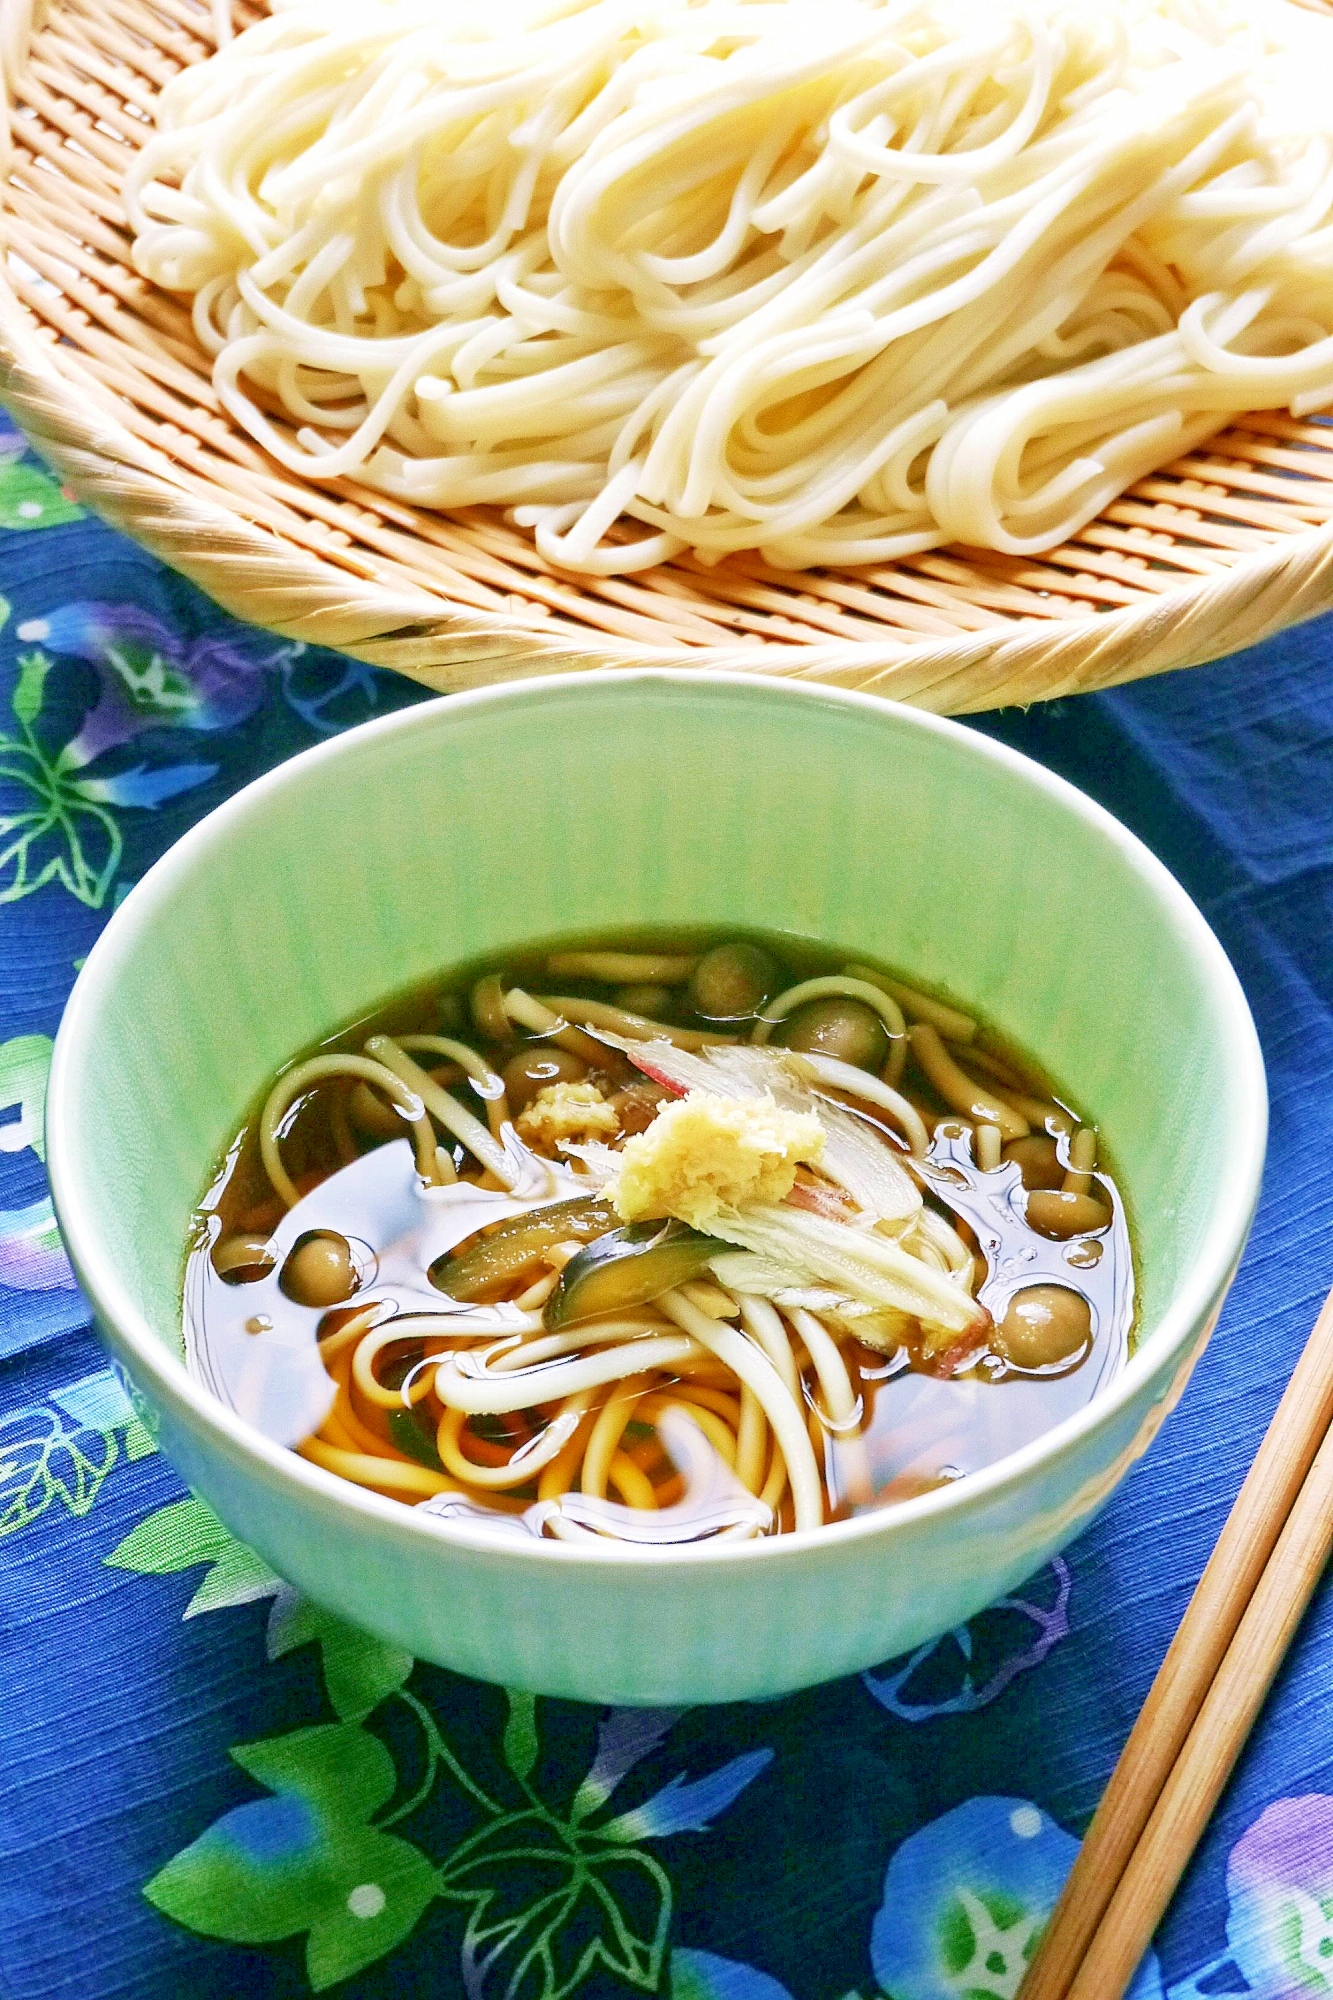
(209, 1789)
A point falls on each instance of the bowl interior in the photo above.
(478, 822)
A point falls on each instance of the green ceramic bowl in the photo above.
(470, 824)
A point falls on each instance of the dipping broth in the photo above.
(660, 1238)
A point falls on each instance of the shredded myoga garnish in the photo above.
(717, 1237)
(835, 280)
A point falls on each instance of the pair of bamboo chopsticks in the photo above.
(1205, 1699)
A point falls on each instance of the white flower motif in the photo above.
(999, 1955)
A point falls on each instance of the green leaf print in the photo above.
(62, 836)
(60, 831)
(25, 1063)
(187, 1532)
(305, 1858)
(76, 843)
(546, 1912)
(42, 1459)
(337, 1766)
(65, 1452)
(30, 498)
(359, 1671)
(30, 688)
(520, 1737)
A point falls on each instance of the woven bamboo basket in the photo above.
(103, 372)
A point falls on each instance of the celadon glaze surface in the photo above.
(454, 829)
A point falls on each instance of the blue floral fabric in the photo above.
(208, 1787)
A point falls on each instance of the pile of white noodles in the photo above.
(836, 280)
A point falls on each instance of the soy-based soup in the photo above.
(660, 1239)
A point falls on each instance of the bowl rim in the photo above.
(150, 1354)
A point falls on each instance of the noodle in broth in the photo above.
(800, 1241)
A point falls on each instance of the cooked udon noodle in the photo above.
(718, 1371)
(836, 280)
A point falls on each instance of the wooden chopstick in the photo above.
(1214, 1743)
(1184, 1742)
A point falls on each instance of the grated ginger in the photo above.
(705, 1155)
(566, 1111)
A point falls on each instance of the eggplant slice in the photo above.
(627, 1268)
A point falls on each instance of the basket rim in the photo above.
(191, 523)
